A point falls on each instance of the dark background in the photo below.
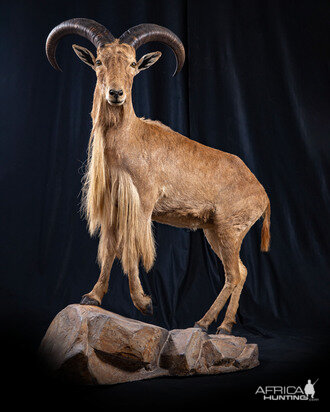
(256, 84)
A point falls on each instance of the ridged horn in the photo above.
(90, 29)
(143, 33)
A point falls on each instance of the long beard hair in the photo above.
(110, 200)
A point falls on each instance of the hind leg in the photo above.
(226, 246)
(106, 256)
(244, 224)
(228, 322)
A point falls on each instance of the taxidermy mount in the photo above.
(140, 171)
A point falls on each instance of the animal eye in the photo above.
(98, 62)
(133, 64)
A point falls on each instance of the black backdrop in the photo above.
(256, 84)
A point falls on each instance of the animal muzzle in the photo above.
(116, 97)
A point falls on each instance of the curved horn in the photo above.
(90, 29)
(144, 33)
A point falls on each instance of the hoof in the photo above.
(148, 311)
(197, 326)
(221, 331)
(86, 300)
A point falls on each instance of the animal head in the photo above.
(115, 66)
(115, 62)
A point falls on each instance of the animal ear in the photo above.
(84, 55)
(148, 60)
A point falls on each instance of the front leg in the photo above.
(106, 256)
(140, 300)
(141, 236)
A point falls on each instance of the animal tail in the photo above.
(265, 231)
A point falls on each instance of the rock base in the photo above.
(87, 344)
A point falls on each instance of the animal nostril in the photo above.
(116, 93)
